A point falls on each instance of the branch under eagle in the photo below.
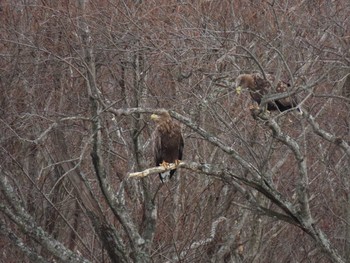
(157, 170)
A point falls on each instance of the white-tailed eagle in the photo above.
(259, 87)
(168, 142)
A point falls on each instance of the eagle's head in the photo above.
(163, 116)
(155, 117)
(244, 81)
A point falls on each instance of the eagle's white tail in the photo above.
(165, 176)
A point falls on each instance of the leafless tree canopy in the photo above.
(79, 81)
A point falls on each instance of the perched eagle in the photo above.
(259, 87)
(167, 142)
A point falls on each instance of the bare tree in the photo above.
(78, 83)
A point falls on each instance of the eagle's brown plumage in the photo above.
(167, 142)
(259, 87)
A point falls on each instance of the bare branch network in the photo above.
(300, 216)
(257, 182)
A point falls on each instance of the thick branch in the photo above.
(303, 180)
(117, 207)
(304, 217)
(18, 242)
(28, 225)
(328, 136)
(108, 234)
(154, 170)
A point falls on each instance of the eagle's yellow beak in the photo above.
(154, 117)
(239, 90)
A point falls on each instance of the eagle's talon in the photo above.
(164, 164)
(254, 107)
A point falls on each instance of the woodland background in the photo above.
(79, 80)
